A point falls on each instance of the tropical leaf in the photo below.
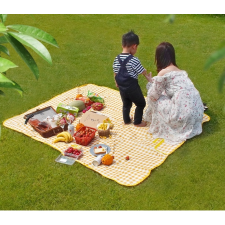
(5, 64)
(34, 44)
(2, 27)
(221, 81)
(7, 83)
(214, 57)
(3, 17)
(24, 54)
(4, 49)
(3, 40)
(170, 18)
(35, 33)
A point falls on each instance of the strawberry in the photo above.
(127, 158)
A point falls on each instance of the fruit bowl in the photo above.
(84, 135)
(73, 152)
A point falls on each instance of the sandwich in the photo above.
(99, 150)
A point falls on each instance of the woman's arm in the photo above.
(156, 88)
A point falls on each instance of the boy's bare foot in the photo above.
(142, 124)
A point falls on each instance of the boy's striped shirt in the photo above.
(133, 66)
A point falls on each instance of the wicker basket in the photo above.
(104, 133)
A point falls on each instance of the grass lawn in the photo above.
(192, 178)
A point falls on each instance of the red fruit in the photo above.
(100, 146)
(127, 158)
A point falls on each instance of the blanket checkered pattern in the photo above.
(126, 140)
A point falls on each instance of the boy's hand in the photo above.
(115, 80)
(149, 77)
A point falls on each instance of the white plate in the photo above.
(103, 145)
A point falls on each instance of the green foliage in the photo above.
(3, 17)
(26, 36)
(170, 18)
(7, 83)
(213, 58)
(5, 64)
(35, 33)
(34, 44)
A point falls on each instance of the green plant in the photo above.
(25, 36)
(213, 58)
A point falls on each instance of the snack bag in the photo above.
(97, 106)
(95, 97)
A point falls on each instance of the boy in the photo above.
(126, 68)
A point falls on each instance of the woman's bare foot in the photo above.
(142, 124)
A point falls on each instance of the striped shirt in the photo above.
(133, 66)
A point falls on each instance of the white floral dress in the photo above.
(174, 107)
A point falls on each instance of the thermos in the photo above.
(71, 129)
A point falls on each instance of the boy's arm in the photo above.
(115, 79)
(147, 76)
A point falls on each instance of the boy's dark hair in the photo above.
(129, 39)
(164, 55)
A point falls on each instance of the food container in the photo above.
(105, 132)
(64, 109)
(85, 135)
(40, 115)
(74, 153)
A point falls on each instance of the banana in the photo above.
(71, 139)
(59, 139)
(68, 137)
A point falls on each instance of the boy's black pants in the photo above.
(134, 96)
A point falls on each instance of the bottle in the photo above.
(71, 129)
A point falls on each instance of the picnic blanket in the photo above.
(126, 140)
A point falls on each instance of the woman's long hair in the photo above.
(164, 55)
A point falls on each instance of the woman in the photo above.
(175, 109)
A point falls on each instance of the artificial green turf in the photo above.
(192, 178)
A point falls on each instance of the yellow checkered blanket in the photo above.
(126, 140)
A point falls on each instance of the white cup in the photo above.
(98, 160)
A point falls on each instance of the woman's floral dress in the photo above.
(174, 107)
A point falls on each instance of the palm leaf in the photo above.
(7, 83)
(35, 33)
(170, 18)
(2, 27)
(221, 81)
(24, 54)
(34, 44)
(5, 64)
(4, 49)
(3, 17)
(3, 40)
(214, 57)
